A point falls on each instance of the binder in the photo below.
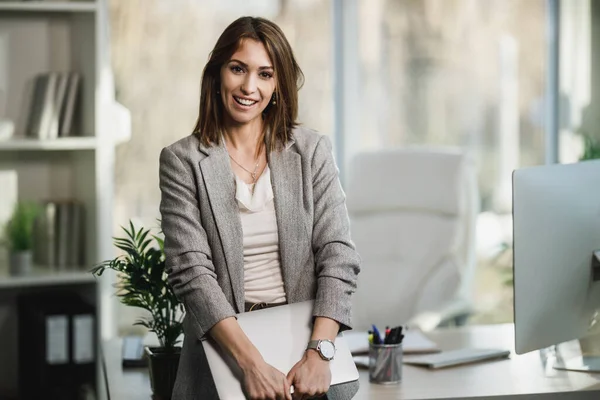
(57, 345)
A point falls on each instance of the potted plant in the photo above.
(19, 237)
(591, 147)
(143, 283)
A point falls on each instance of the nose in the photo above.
(249, 84)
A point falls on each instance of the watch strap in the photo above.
(316, 345)
(313, 344)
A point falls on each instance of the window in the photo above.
(459, 73)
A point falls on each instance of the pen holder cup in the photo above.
(385, 363)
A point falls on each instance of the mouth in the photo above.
(244, 102)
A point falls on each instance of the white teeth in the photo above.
(244, 101)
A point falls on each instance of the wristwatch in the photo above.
(325, 348)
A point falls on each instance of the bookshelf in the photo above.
(41, 6)
(64, 144)
(45, 277)
(39, 37)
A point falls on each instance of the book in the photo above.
(59, 235)
(49, 104)
(75, 236)
(62, 81)
(63, 209)
(44, 251)
(53, 105)
(68, 111)
(36, 106)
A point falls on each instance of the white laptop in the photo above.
(456, 357)
(280, 334)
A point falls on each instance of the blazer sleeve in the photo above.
(336, 261)
(190, 270)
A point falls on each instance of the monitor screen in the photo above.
(556, 230)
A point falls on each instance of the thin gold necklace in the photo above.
(252, 173)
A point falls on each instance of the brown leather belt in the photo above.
(259, 306)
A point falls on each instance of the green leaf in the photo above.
(143, 282)
(591, 149)
(141, 238)
(143, 323)
(19, 230)
(161, 243)
(130, 250)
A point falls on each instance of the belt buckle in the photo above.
(259, 306)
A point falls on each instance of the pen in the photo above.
(376, 335)
(398, 335)
(388, 336)
(389, 339)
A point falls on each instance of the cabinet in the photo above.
(70, 36)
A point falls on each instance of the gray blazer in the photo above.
(203, 231)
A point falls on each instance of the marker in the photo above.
(376, 335)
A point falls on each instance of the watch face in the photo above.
(327, 349)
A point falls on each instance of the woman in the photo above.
(254, 216)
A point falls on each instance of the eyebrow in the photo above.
(243, 64)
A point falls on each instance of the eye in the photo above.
(236, 69)
(266, 75)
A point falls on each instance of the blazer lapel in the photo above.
(286, 178)
(220, 186)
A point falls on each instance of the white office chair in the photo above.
(413, 214)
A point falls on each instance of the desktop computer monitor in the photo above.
(556, 230)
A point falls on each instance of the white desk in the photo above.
(521, 377)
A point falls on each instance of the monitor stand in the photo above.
(583, 364)
(572, 362)
(587, 359)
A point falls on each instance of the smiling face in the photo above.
(247, 83)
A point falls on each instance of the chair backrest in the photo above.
(412, 215)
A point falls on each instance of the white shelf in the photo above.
(47, 6)
(70, 143)
(41, 277)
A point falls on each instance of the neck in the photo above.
(245, 138)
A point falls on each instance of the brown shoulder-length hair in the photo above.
(279, 118)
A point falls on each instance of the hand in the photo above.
(264, 382)
(310, 376)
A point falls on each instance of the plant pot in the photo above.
(19, 262)
(163, 370)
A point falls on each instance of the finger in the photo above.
(307, 394)
(298, 394)
(281, 396)
(286, 389)
(320, 393)
(322, 389)
(290, 376)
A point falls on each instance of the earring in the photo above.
(273, 101)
